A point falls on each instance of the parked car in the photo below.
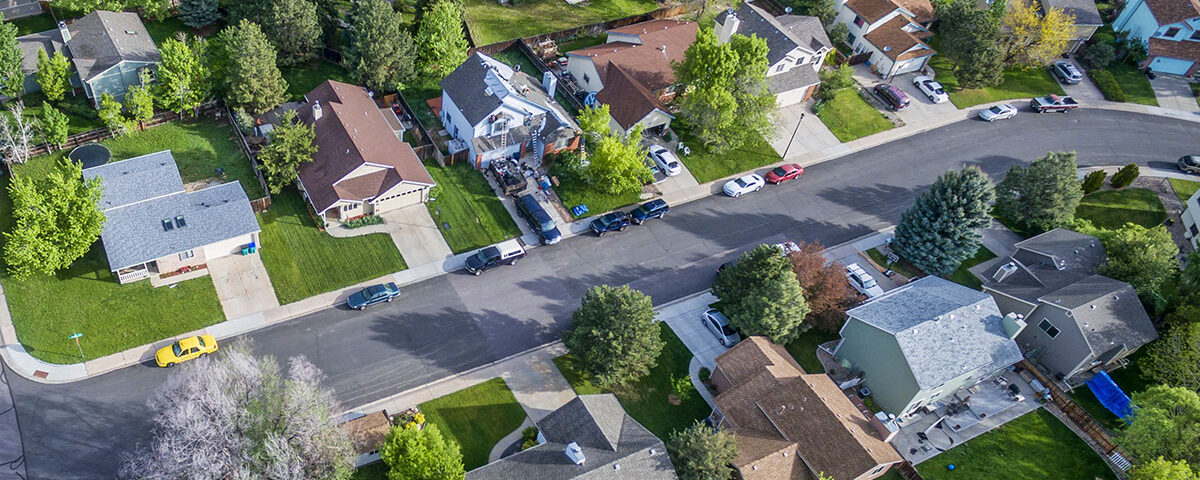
(384, 292)
(1066, 72)
(503, 253)
(895, 98)
(863, 281)
(1053, 103)
(649, 210)
(998, 112)
(718, 324)
(539, 220)
(931, 88)
(744, 184)
(609, 222)
(788, 248)
(185, 349)
(1189, 163)
(784, 173)
(666, 160)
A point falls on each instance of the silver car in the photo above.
(862, 281)
(1066, 72)
(998, 112)
(665, 160)
(718, 324)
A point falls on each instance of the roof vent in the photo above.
(130, 32)
(167, 225)
(616, 466)
(887, 48)
(787, 10)
(1004, 271)
(653, 451)
(1093, 307)
(575, 453)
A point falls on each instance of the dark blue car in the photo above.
(539, 220)
(609, 222)
(648, 210)
(373, 294)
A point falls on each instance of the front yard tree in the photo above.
(940, 230)
(615, 163)
(1174, 359)
(1031, 38)
(613, 335)
(761, 295)
(594, 122)
(826, 288)
(54, 125)
(1162, 469)
(253, 10)
(53, 75)
(1164, 424)
(421, 454)
(1043, 195)
(239, 416)
(182, 78)
(1143, 257)
(968, 34)
(139, 100)
(441, 44)
(294, 27)
(248, 73)
(701, 452)
(726, 100)
(379, 50)
(199, 13)
(12, 79)
(56, 219)
(291, 145)
(110, 114)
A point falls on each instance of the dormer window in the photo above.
(1195, 35)
(500, 126)
(858, 21)
(1171, 32)
(800, 61)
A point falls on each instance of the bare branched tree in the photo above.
(16, 134)
(239, 417)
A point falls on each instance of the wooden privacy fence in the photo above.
(104, 133)
(1075, 412)
(908, 472)
(253, 161)
(260, 205)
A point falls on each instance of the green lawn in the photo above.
(374, 471)
(646, 399)
(1036, 446)
(301, 79)
(166, 28)
(416, 95)
(804, 349)
(34, 24)
(707, 166)
(1018, 84)
(489, 22)
(466, 202)
(81, 116)
(1135, 84)
(850, 117)
(199, 147)
(1184, 189)
(963, 277)
(304, 261)
(902, 267)
(1113, 208)
(1128, 378)
(573, 190)
(477, 417)
(581, 42)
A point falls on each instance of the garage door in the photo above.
(227, 247)
(790, 97)
(1173, 66)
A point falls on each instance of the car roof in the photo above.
(508, 246)
(189, 342)
(721, 318)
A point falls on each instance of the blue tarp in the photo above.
(1110, 395)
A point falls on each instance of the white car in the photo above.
(744, 184)
(998, 112)
(931, 88)
(863, 281)
(665, 160)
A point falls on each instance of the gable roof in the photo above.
(350, 133)
(628, 100)
(1084, 11)
(49, 40)
(141, 193)
(1183, 50)
(102, 39)
(646, 61)
(782, 34)
(943, 329)
(874, 10)
(1107, 311)
(891, 39)
(467, 86)
(1046, 263)
(481, 85)
(1173, 11)
(368, 432)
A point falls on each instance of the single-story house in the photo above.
(1171, 30)
(890, 32)
(796, 48)
(367, 434)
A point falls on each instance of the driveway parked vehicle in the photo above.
(1053, 103)
(1066, 72)
(744, 184)
(718, 324)
(998, 112)
(863, 281)
(539, 220)
(609, 222)
(649, 210)
(666, 160)
(931, 88)
(895, 98)
(503, 253)
(185, 349)
(784, 173)
(384, 292)
(1189, 163)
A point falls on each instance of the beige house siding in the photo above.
(364, 169)
(402, 195)
(173, 262)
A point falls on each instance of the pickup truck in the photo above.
(1053, 103)
(506, 252)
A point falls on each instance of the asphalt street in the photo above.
(455, 322)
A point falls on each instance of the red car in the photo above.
(784, 173)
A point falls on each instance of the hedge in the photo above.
(1108, 85)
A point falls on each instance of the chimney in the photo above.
(62, 30)
(575, 453)
(316, 111)
(549, 83)
(1004, 271)
(728, 28)
(1013, 323)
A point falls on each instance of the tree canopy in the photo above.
(56, 219)
(199, 13)
(291, 145)
(1031, 37)
(969, 35)
(12, 79)
(379, 50)
(247, 70)
(940, 230)
(1042, 196)
(421, 454)
(139, 100)
(182, 79)
(701, 452)
(1164, 424)
(616, 162)
(1143, 257)
(1174, 359)
(761, 295)
(613, 335)
(826, 289)
(726, 101)
(294, 28)
(53, 124)
(53, 75)
(441, 43)
(1162, 469)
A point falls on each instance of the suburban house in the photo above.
(156, 227)
(889, 33)
(1087, 19)
(499, 112)
(1171, 30)
(14, 9)
(1190, 215)
(1080, 322)
(926, 341)
(632, 73)
(361, 166)
(790, 424)
(796, 48)
(107, 49)
(367, 434)
(591, 437)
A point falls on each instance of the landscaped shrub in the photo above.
(364, 221)
(1098, 55)
(244, 121)
(705, 374)
(1108, 85)
(1093, 181)
(77, 109)
(529, 438)
(1137, 50)
(682, 387)
(1125, 176)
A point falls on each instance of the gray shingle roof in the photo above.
(141, 192)
(943, 329)
(1048, 262)
(1107, 311)
(468, 85)
(49, 40)
(801, 76)
(782, 34)
(102, 39)
(1084, 11)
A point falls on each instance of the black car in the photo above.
(609, 222)
(1189, 163)
(503, 253)
(649, 210)
(539, 220)
(384, 292)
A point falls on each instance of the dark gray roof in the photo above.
(1084, 11)
(468, 87)
(102, 39)
(943, 329)
(797, 77)
(141, 192)
(782, 34)
(1046, 263)
(1107, 311)
(49, 40)
(614, 445)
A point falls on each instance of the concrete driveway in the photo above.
(1174, 93)
(795, 137)
(242, 284)
(416, 235)
(920, 111)
(1084, 92)
(683, 316)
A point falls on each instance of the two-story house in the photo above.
(796, 48)
(1087, 19)
(502, 113)
(890, 32)
(1171, 30)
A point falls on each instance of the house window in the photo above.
(499, 126)
(779, 68)
(586, 79)
(1049, 328)
(348, 207)
(858, 21)
(878, 469)
(1195, 231)
(1171, 32)
(800, 61)
(850, 39)
(1195, 35)
(186, 255)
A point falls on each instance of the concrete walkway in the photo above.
(683, 316)
(412, 229)
(1174, 93)
(502, 445)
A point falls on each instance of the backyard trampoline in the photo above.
(90, 155)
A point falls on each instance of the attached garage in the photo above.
(229, 246)
(1170, 66)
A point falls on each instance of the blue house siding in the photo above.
(1173, 66)
(116, 80)
(1137, 19)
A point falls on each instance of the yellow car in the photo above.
(185, 349)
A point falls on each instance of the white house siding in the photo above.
(228, 247)
(653, 119)
(456, 124)
(1191, 214)
(791, 97)
(173, 262)
(584, 71)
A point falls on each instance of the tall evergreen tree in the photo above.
(1042, 196)
(199, 13)
(939, 231)
(12, 79)
(294, 28)
(379, 50)
(248, 74)
(441, 44)
(253, 10)
(613, 335)
(701, 452)
(762, 296)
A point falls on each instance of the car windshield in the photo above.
(201, 340)
(1191, 161)
(779, 171)
(869, 282)
(996, 109)
(547, 224)
(740, 182)
(176, 349)
(728, 331)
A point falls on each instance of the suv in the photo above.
(862, 281)
(1066, 72)
(895, 98)
(609, 222)
(718, 324)
(649, 210)
(539, 220)
(506, 252)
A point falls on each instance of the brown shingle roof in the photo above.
(873, 10)
(1184, 50)
(647, 63)
(1172, 11)
(891, 39)
(628, 101)
(350, 133)
(368, 432)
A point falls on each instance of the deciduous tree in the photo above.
(940, 230)
(1143, 257)
(1032, 38)
(421, 454)
(54, 125)
(53, 75)
(701, 452)
(12, 79)
(291, 145)
(246, 65)
(139, 100)
(16, 134)
(253, 10)
(1164, 424)
(110, 114)
(1043, 195)
(56, 219)
(822, 9)
(594, 121)
(379, 50)
(294, 28)
(726, 101)
(182, 79)
(615, 163)
(968, 35)
(199, 13)
(441, 44)
(613, 335)
(826, 289)
(1162, 469)
(761, 295)
(1174, 359)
